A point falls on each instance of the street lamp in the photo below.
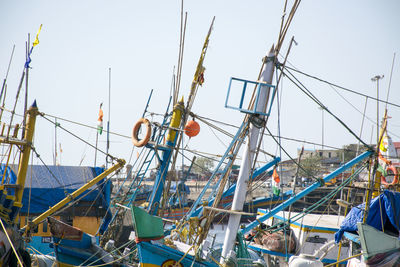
(376, 79)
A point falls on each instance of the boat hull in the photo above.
(152, 255)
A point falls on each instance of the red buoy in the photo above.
(192, 128)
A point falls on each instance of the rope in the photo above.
(319, 203)
(282, 137)
(79, 198)
(79, 138)
(333, 193)
(292, 159)
(47, 167)
(354, 256)
(81, 124)
(315, 99)
(116, 249)
(341, 87)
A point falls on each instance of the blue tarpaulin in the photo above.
(9, 177)
(47, 185)
(384, 208)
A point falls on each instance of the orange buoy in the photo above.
(135, 132)
(192, 128)
(395, 174)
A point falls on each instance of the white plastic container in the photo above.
(304, 260)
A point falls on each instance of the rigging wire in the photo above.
(79, 138)
(282, 137)
(216, 136)
(343, 88)
(307, 92)
(80, 124)
(291, 159)
(355, 108)
(197, 117)
(48, 169)
(76, 200)
(390, 80)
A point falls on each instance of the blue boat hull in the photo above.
(151, 255)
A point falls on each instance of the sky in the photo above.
(344, 42)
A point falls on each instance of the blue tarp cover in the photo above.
(45, 186)
(385, 207)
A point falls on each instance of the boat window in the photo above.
(45, 227)
(317, 239)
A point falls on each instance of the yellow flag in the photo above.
(384, 143)
(36, 42)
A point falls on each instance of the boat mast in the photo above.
(165, 160)
(248, 156)
(26, 151)
(261, 101)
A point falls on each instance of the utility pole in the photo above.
(374, 182)
(376, 79)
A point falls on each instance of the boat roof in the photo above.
(309, 220)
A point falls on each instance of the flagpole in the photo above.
(55, 142)
(98, 131)
(4, 86)
(95, 151)
(26, 79)
(109, 112)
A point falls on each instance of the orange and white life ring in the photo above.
(395, 179)
(135, 139)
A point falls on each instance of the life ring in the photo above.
(395, 179)
(135, 139)
(171, 263)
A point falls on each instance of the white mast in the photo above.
(248, 156)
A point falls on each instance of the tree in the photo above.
(350, 151)
(310, 167)
(202, 165)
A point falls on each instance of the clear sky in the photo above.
(344, 42)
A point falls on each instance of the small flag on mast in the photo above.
(100, 120)
(36, 42)
(276, 182)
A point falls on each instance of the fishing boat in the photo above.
(13, 249)
(42, 191)
(313, 239)
(372, 228)
(335, 239)
(189, 243)
(25, 210)
(66, 238)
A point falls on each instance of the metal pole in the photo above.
(26, 151)
(306, 191)
(109, 112)
(26, 81)
(120, 163)
(8, 69)
(55, 142)
(95, 151)
(248, 156)
(322, 127)
(376, 79)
